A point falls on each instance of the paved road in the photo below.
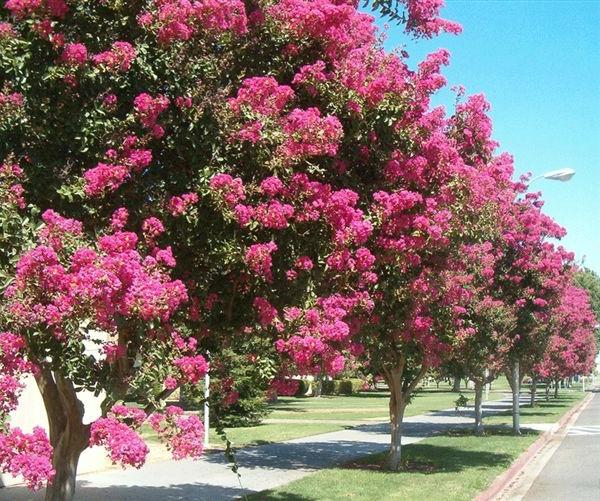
(262, 467)
(573, 472)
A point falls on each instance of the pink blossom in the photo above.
(152, 228)
(27, 455)
(229, 189)
(119, 58)
(258, 259)
(124, 445)
(266, 311)
(74, 54)
(179, 205)
(119, 219)
(192, 369)
(309, 134)
(262, 95)
(104, 177)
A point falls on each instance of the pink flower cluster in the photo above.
(183, 435)
(267, 313)
(13, 365)
(258, 259)
(11, 189)
(372, 74)
(119, 57)
(310, 75)
(230, 190)
(109, 281)
(124, 445)
(337, 25)
(74, 54)
(321, 333)
(110, 176)
(182, 19)
(6, 30)
(57, 228)
(191, 368)
(310, 134)
(423, 19)
(285, 387)
(25, 8)
(148, 109)
(180, 204)
(10, 104)
(27, 455)
(262, 95)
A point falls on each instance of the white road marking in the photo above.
(584, 430)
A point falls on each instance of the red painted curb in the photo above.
(507, 477)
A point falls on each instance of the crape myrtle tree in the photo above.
(530, 275)
(483, 338)
(590, 281)
(485, 323)
(572, 346)
(438, 200)
(209, 175)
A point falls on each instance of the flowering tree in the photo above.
(530, 276)
(207, 171)
(71, 296)
(483, 339)
(572, 346)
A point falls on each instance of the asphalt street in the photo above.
(573, 471)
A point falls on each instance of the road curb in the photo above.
(504, 480)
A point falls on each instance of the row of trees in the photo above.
(194, 186)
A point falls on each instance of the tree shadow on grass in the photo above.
(429, 459)
(278, 496)
(490, 430)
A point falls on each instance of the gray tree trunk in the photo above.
(69, 437)
(515, 386)
(397, 405)
(556, 383)
(456, 384)
(479, 408)
(533, 391)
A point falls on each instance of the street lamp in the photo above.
(563, 175)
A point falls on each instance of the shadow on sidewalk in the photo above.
(180, 492)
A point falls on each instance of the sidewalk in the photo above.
(262, 467)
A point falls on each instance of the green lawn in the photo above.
(345, 409)
(543, 412)
(451, 467)
(369, 404)
(258, 435)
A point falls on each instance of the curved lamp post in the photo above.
(563, 175)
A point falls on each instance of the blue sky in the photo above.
(538, 63)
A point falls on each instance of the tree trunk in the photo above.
(556, 383)
(68, 435)
(478, 407)
(515, 386)
(533, 391)
(397, 406)
(547, 390)
(64, 460)
(456, 384)
(318, 391)
(399, 394)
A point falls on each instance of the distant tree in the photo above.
(590, 280)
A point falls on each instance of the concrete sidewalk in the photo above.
(262, 467)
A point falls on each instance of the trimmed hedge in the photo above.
(342, 387)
